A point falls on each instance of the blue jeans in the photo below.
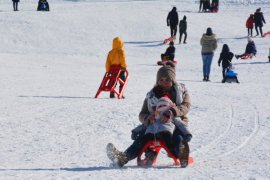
(207, 61)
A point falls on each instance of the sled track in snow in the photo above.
(218, 139)
(222, 138)
(247, 140)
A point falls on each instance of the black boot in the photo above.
(204, 78)
(118, 158)
(207, 78)
(112, 95)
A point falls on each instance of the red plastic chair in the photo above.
(110, 80)
(156, 146)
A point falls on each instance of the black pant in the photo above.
(15, 6)
(181, 34)
(250, 31)
(173, 30)
(134, 150)
(201, 5)
(260, 27)
(224, 71)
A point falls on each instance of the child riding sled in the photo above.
(163, 117)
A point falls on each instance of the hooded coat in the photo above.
(172, 18)
(208, 43)
(250, 22)
(117, 56)
(258, 18)
(251, 48)
(225, 56)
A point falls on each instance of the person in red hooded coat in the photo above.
(250, 24)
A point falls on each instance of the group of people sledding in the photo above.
(43, 5)
(163, 115)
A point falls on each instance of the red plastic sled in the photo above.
(161, 63)
(246, 56)
(168, 40)
(156, 146)
(266, 34)
(110, 80)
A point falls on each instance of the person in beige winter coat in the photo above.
(209, 45)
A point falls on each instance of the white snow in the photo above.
(52, 63)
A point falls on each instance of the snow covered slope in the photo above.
(52, 127)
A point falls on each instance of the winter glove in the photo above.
(168, 24)
(149, 120)
(218, 64)
(187, 137)
(166, 116)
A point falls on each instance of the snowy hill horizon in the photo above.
(52, 64)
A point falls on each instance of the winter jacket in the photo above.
(43, 6)
(251, 48)
(208, 43)
(170, 52)
(117, 55)
(250, 22)
(179, 95)
(183, 26)
(259, 19)
(226, 57)
(172, 18)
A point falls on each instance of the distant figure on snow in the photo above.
(183, 29)
(201, 5)
(43, 5)
(249, 24)
(214, 6)
(172, 21)
(259, 20)
(15, 5)
(250, 50)
(117, 57)
(169, 53)
(209, 45)
(226, 58)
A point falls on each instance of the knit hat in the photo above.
(209, 31)
(167, 71)
(250, 39)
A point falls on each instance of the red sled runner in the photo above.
(110, 80)
(266, 34)
(156, 146)
(168, 40)
(247, 56)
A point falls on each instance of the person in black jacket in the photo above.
(172, 21)
(43, 5)
(169, 53)
(183, 29)
(259, 20)
(15, 5)
(226, 57)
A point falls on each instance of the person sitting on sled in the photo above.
(250, 50)
(173, 115)
(169, 53)
(226, 58)
(43, 5)
(117, 57)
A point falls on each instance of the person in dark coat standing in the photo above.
(249, 24)
(183, 29)
(259, 20)
(15, 5)
(226, 57)
(172, 21)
